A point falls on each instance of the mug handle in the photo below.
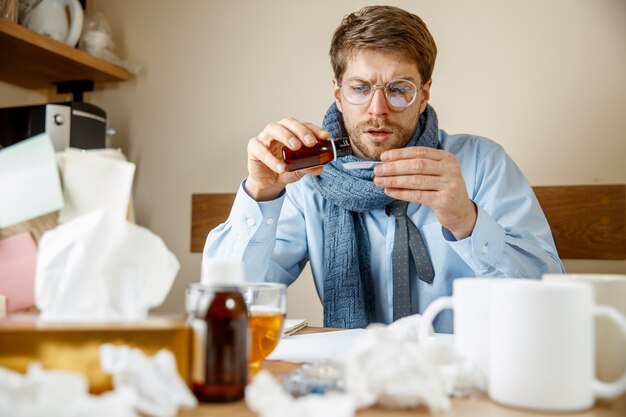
(76, 22)
(617, 388)
(434, 308)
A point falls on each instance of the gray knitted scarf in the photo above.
(348, 285)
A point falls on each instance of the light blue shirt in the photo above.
(275, 239)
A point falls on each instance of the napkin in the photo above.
(159, 390)
(101, 267)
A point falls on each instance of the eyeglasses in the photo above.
(400, 93)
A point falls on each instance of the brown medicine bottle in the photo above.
(219, 319)
(322, 153)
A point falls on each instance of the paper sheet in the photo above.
(315, 347)
(293, 325)
(18, 258)
(93, 182)
(29, 181)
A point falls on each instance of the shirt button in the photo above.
(466, 256)
(250, 221)
(269, 221)
(484, 250)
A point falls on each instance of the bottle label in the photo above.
(198, 352)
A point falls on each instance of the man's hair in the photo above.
(383, 28)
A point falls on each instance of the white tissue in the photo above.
(267, 397)
(388, 366)
(101, 267)
(57, 393)
(159, 390)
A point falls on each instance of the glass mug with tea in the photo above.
(267, 307)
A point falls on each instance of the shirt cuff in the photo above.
(483, 248)
(253, 219)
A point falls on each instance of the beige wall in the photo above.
(546, 79)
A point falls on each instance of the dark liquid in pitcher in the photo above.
(226, 366)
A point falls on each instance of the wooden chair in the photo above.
(587, 221)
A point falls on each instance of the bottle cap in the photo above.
(221, 272)
(342, 147)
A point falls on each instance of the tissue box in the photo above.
(74, 346)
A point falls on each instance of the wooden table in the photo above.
(468, 407)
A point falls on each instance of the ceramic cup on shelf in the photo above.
(541, 345)
(610, 290)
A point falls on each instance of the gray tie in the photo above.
(407, 242)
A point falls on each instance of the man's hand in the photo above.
(267, 177)
(431, 177)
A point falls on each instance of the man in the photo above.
(375, 257)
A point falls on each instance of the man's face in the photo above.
(374, 127)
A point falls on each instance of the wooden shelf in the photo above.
(31, 60)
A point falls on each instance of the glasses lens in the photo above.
(400, 93)
(356, 91)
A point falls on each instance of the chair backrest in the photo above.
(587, 221)
(207, 212)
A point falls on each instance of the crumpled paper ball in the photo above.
(387, 366)
(42, 392)
(267, 397)
(159, 389)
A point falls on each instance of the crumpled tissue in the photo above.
(388, 366)
(100, 267)
(159, 390)
(150, 385)
(266, 396)
(385, 365)
(42, 392)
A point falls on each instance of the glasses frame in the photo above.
(374, 87)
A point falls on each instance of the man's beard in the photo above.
(398, 137)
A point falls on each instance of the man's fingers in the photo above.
(275, 131)
(257, 150)
(413, 152)
(411, 182)
(306, 133)
(415, 166)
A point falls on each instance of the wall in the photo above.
(546, 79)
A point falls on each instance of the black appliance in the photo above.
(73, 124)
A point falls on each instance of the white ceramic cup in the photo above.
(541, 346)
(610, 347)
(470, 302)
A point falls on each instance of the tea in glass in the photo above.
(267, 307)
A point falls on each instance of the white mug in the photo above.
(470, 302)
(541, 346)
(608, 290)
